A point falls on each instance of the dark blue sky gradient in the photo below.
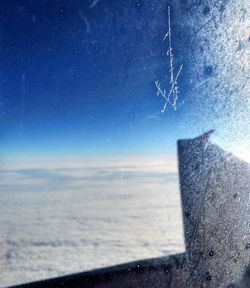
(80, 80)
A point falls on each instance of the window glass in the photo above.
(93, 97)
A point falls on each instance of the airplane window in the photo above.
(93, 98)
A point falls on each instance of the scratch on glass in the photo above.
(171, 95)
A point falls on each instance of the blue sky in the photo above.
(80, 80)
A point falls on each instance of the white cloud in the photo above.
(75, 211)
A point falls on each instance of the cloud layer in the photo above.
(87, 214)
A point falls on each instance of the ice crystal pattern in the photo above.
(170, 95)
